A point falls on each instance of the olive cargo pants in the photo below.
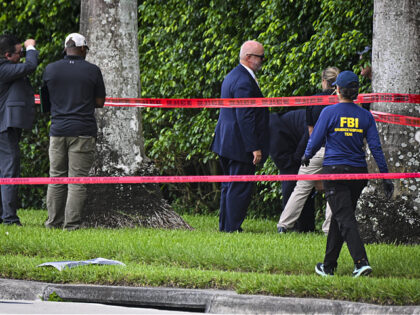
(69, 157)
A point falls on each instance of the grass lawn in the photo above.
(258, 261)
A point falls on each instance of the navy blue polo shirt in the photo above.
(73, 85)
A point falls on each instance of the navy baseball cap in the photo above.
(345, 78)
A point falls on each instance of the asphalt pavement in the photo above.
(30, 297)
(43, 307)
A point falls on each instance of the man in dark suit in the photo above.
(241, 137)
(288, 138)
(16, 113)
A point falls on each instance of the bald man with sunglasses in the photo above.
(241, 137)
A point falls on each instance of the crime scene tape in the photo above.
(253, 102)
(198, 179)
(396, 119)
(260, 102)
(274, 102)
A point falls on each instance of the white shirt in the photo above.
(251, 73)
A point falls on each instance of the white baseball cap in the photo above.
(78, 39)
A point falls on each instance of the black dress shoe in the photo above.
(17, 223)
(281, 230)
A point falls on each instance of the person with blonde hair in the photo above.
(303, 188)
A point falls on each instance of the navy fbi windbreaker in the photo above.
(344, 126)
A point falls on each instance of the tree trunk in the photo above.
(111, 31)
(396, 69)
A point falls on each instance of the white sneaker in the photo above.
(319, 269)
(362, 271)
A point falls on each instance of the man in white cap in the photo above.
(75, 88)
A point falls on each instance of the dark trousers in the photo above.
(235, 197)
(9, 167)
(306, 221)
(342, 195)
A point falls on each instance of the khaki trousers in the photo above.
(303, 188)
(69, 157)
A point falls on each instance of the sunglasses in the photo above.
(21, 53)
(262, 57)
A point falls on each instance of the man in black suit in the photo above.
(288, 138)
(241, 137)
(16, 113)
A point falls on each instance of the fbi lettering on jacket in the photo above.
(349, 125)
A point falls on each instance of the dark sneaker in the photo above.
(362, 271)
(281, 230)
(319, 269)
(17, 223)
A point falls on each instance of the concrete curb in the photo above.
(209, 301)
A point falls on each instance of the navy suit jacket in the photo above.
(288, 138)
(240, 131)
(17, 104)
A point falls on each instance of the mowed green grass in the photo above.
(257, 261)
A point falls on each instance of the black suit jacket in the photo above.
(288, 137)
(17, 104)
(240, 131)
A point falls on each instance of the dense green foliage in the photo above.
(257, 261)
(48, 22)
(186, 49)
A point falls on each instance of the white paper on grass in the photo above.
(60, 265)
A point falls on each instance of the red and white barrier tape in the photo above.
(396, 119)
(197, 179)
(259, 102)
(255, 102)
(275, 102)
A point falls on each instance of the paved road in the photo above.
(21, 296)
(41, 307)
